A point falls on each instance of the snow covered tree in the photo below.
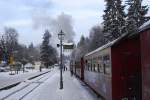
(136, 15)
(53, 55)
(48, 53)
(114, 19)
(10, 38)
(96, 37)
(22, 54)
(131, 26)
(81, 42)
(81, 49)
(45, 49)
(107, 17)
(3, 50)
(33, 53)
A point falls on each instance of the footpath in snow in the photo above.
(73, 89)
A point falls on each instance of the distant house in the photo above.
(29, 66)
(37, 65)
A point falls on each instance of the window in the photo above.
(106, 64)
(88, 66)
(91, 65)
(98, 69)
(101, 68)
(94, 68)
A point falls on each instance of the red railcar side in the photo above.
(130, 68)
(82, 68)
(121, 78)
(126, 69)
(145, 52)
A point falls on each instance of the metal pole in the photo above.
(61, 65)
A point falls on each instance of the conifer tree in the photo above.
(96, 38)
(136, 15)
(107, 17)
(114, 19)
(45, 49)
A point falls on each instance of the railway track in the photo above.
(22, 92)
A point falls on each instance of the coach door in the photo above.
(132, 72)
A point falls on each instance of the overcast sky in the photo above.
(20, 14)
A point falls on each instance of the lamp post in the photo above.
(61, 37)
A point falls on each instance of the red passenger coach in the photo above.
(119, 70)
(145, 55)
(114, 70)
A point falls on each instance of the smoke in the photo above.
(65, 23)
(54, 25)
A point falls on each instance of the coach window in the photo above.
(88, 65)
(98, 69)
(85, 67)
(91, 67)
(94, 68)
(96, 65)
(106, 64)
(98, 61)
(101, 70)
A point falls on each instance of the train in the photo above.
(119, 70)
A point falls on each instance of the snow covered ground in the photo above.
(6, 79)
(46, 87)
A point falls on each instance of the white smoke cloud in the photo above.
(54, 25)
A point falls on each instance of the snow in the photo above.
(25, 86)
(73, 90)
(6, 79)
(145, 26)
(49, 89)
(107, 45)
(68, 43)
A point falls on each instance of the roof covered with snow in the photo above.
(145, 26)
(142, 28)
(108, 44)
(68, 43)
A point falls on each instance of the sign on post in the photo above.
(68, 46)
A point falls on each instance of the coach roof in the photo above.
(107, 45)
(144, 27)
